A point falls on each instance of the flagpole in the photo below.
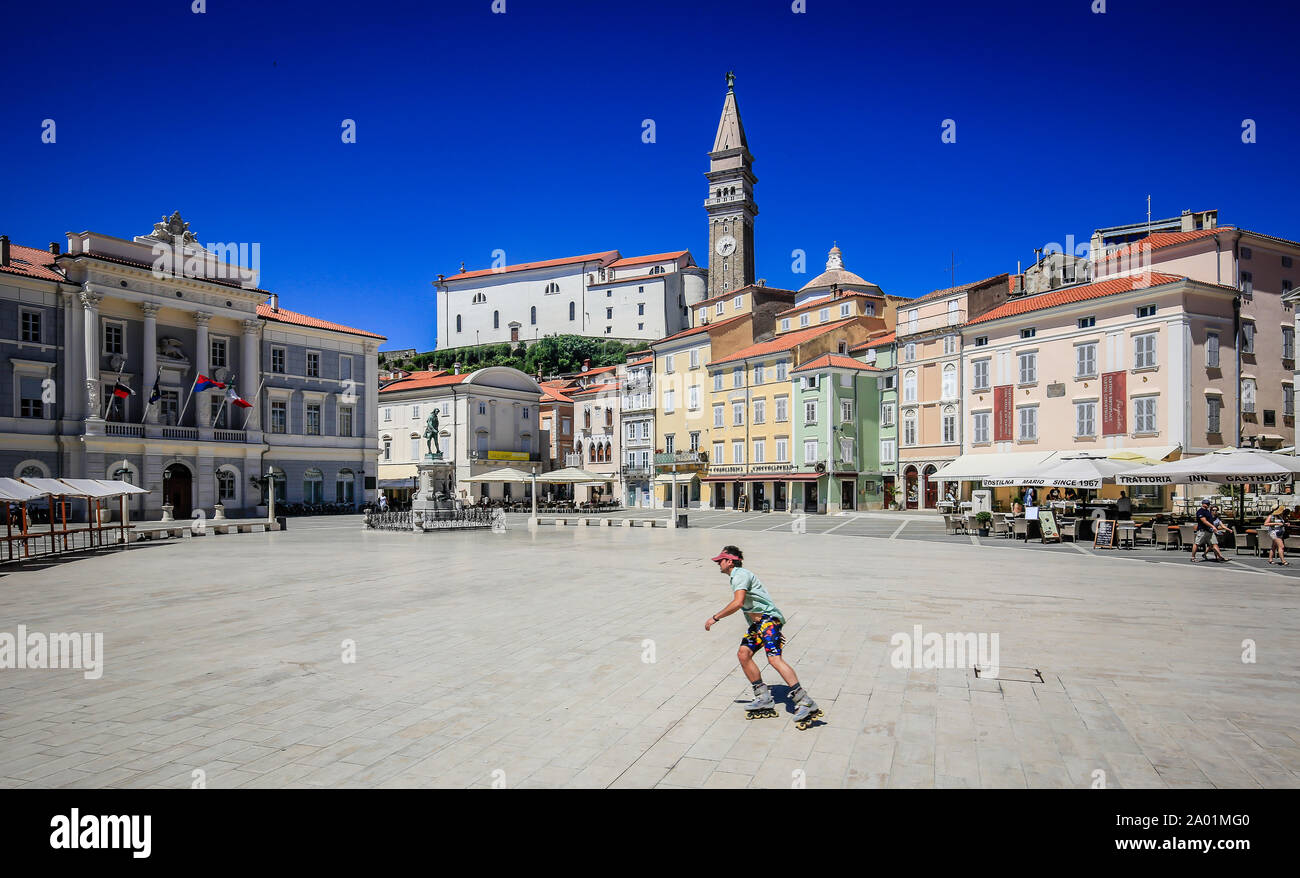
(181, 416)
(112, 397)
(149, 405)
(253, 402)
(225, 399)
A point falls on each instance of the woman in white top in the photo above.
(1275, 529)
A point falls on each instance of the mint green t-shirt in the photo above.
(757, 600)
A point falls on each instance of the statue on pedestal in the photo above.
(431, 437)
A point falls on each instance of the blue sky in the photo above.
(522, 132)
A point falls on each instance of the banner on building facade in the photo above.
(1003, 428)
(1114, 404)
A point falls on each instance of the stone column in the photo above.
(202, 414)
(150, 352)
(250, 376)
(90, 307)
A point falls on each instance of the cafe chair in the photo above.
(1164, 537)
(1245, 540)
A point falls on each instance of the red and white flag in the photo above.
(235, 399)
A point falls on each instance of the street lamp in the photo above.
(532, 522)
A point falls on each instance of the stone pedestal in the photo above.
(167, 512)
(436, 479)
(218, 512)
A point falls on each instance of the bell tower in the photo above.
(730, 203)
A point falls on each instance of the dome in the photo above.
(837, 274)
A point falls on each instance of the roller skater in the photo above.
(765, 621)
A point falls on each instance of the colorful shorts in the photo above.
(766, 632)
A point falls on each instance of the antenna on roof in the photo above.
(1148, 214)
(952, 268)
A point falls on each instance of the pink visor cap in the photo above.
(727, 555)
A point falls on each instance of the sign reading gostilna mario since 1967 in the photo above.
(1002, 421)
(1114, 421)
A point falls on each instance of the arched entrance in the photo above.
(911, 496)
(178, 490)
(931, 487)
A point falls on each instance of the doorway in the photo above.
(910, 495)
(810, 497)
(931, 487)
(178, 490)
(846, 494)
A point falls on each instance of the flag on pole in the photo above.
(203, 383)
(235, 399)
(121, 391)
(156, 393)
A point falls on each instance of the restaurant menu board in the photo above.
(1047, 525)
(1104, 533)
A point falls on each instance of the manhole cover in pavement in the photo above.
(1021, 675)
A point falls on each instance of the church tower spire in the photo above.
(730, 202)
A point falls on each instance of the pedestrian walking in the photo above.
(1275, 528)
(765, 621)
(1205, 533)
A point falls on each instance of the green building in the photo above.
(880, 425)
(836, 420)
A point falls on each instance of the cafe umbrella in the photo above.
(1227, 466)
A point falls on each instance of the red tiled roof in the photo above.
(604, 257)
(836, 361)
(826, 301)
(783, 342)
(888, 338)
(284, 315)
(750, 287)
(597, 388)
(596, 371)
(1160, 240)
(641, 362)
(939, 294)
(705, 328)
(32, 262)
(655, 257)
(1067, 295)
(554, 394)
(423, 381)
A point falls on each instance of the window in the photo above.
(803, 320)
(482, 410)
(782, 450)
(313, 486)
(760, 451)
(702, 315)
(949, 385)
(889, 382)
(1248, 395)
(887, 450)
(782, 409)
(1085, 360)
(909, 352)
(911, 320)
(668, 364)
(718, 452)
(950, 344)
(1288, 342)
(737, 302)
(458, 322)
(532, 315)
(609, 313)
(415, 413)
(846, 450)
(810, 412)
(823, 315)
(738, 377)
(844, 310)
(479, 298)
(1144, 351)
(737, 414)
(760, 411)
(388, 449)
(345, 420)
(738, 451)
(1028, 333)
(30, 329)
(1286, 261)
(980, 422)
(717, 380)
(695, 358)
(954, 312)
(345, 367)
(981, 341)
(1213, 406)
(572, 312)
(658, 269)
(670, 403)
(670, 439)
(113, 338)
(313, 419)
(631, 431)
(1087, 322)
(1212, 350)
(846, 410)
(313, 364)
(1288, 400)
(719, 308)
(949, 426)
(1146, 311)
(225, 485)
(1028, 423)
(1248, 337)
(277, 360)
(415, 448)
(388, 413)
(1246, 253)
(869, 309)
(169, 407)
(693, 398)
(780, 370)
(980, 375)
(645, 429)
(1144, 415)
(279, 417)
(695, 440)
(1029, 368)
(810, 451)
(217, 353)
(1270, 417)
(29, 407)
(1085, 420)
(717, 416)
(785, 324)
(909, 428)
(909, 386)
(887, 414)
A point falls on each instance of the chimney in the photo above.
(456, 366)
(54, 247)
(275, 301)
(586, 364)
(4, 250)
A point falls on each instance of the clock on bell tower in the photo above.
(730, 203)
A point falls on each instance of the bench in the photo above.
(239, 525)
(178, 529)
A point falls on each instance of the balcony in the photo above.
(933, 323)
(637, 472)
(115, 429)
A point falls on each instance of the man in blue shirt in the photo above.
(1205, 531)
(749, 595)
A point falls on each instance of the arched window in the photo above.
(909, 386)
(572, 310)
(551, 289)
(496, 319)
(480, 298)
(32, 469)
(345, 488)
(312, 482)
(225, 486)
(658, 269)
(909, 427)
(949, 387)
(591, 452)
(609, 453)
(532, 315)
(458, 323)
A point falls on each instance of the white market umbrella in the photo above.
(571, 475)
(1084, 472)
(505, 474)
(1227, 466)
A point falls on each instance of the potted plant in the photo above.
(983, 518)
(1017, 504)
(889, 495)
